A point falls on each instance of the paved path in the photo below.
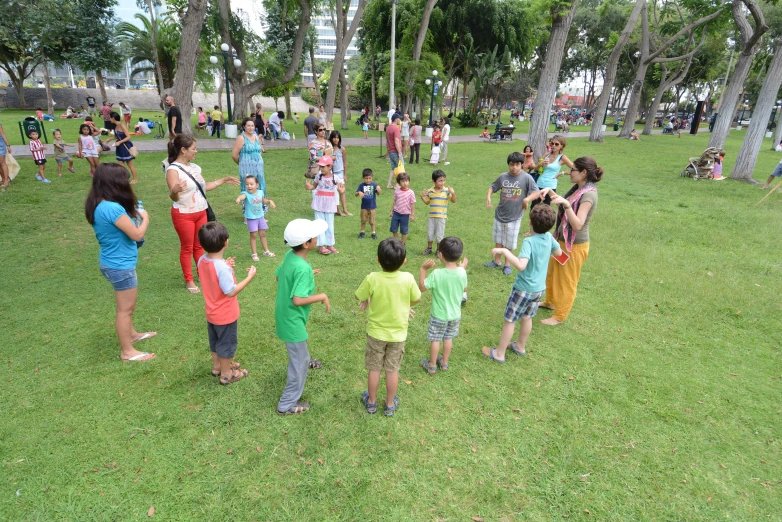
(23, 151)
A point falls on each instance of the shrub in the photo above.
(469, 119)
(310, 96)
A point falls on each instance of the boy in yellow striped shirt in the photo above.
(437, 198)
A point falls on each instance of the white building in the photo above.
(326, 46)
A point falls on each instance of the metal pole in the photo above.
(431, 105)
(393, 55)
(227, 88)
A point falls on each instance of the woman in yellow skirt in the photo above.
(572, 231)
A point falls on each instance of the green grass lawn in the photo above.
(658, 399)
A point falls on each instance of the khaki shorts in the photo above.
(368, 215)
(383, 355)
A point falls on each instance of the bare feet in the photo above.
(546, 305)
(551, 321)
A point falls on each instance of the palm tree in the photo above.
(142, 57)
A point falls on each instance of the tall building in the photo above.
(326, 45)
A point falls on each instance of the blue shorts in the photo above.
(400, 222)
(777, 171)
(522, 304)
(393, 157)
(120, 279)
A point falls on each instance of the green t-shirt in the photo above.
(295, 278)
(537, 248)
(447, 287)
(390, 295)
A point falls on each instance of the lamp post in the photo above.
(436, 84)
(774, 115)
(743, 108)
(226, 54)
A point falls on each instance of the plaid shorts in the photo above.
(522, 304)
(442, 330)
(506, 234)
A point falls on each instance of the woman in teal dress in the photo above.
(247, 154)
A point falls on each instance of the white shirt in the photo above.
(446, 132)
(144, 128)
(190, 200)
(274, 119)
(391, 113)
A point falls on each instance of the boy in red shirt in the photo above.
(219, 287)
(39, 156)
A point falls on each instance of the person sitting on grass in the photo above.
(449, 287)
(387, 296)
(634, 135)
(222, 306)
(530, 283)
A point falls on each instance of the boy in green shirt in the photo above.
(295, 289)
(388, 296)
(448, 286)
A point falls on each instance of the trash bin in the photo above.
(31, 124)
(616, 126)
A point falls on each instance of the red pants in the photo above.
(126, 117)
(187, 227)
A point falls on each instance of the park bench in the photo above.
(503, 134)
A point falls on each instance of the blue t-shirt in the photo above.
(253, 205)
(537, 248)
(117, 250)
(369, 201)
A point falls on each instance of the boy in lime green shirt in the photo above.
(388, 296)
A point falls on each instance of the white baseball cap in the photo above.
(299, 231)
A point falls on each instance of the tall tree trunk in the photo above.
(750, 41)
(748, 154)
(344, 35)
(344, 108)
(315, 78)
(101, 84)
(562, 17)
(288, 113)
(47, 82)
(596, 132)
(187, 59)
(156, 58)
(374, 100)
(638, 81)
(417, 47)
(778, 134)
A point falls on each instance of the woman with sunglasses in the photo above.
(575, 212)
(319, 147)
(551, 164)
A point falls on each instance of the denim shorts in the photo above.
(120, 279)
(400, 222)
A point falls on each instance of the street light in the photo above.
(226, 54)
(743, 108)
(436, 84)
(774, 115)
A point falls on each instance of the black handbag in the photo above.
(210, 215)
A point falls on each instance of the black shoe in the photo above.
(435, 253)
(374, 236)
(361, 235)
(427, 252)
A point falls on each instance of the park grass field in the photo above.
(656, 400)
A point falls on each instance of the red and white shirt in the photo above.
(37, 154)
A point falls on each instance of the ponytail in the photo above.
(182, 141)
(594, 173)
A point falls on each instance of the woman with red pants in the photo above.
(189, 210)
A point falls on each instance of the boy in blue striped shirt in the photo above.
(437, 198)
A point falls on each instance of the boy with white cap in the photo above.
(295, 296)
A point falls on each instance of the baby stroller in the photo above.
(702, 166)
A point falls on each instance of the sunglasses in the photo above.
(321, 130)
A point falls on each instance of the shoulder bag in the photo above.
(210, 215)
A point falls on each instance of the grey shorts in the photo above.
(506, 234)
(435, 229)
(440, 330)
(223, 339)
(777, 171)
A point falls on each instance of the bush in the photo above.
(469, 119)
(310, 96)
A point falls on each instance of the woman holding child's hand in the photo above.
(572, 232)
(111, 210)
(187, 189)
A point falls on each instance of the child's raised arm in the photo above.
(310, 185)
(269, 202)
(519, 264)
(453, 194)
(243, 283)
(429, 263)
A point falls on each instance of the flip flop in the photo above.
(517, 352)
(140, 357)
(491, 355)
(194, 290)
(145, 335)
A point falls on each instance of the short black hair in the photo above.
(542, 218)
(367, 172)
(401, 177)
(437, 174)
(391, 254)
(451, 248)
(212, 236)
(515, 157)
(250, 176)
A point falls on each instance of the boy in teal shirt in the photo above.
(388, 296)
(448, 285)
(295, 289)
(530, 283)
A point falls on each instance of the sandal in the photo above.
(193, 290)
(315, 364)
(299, 407)
(517, 351)
(490, 355)
(235, 377)
(443, 366)
(324, 251)
(389, 411)
(371, 408)
(333, 250)
(254, 257)
(234, 366)
(269, 254)
(431, 370)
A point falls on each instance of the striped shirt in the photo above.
(37, 154)
(403, 201)
(438, 202)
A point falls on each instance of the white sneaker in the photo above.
(447, 163)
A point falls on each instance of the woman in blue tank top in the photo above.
(552, 163)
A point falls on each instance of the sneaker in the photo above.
(447, 163)
(718, 178)
(47, 181)
(464, 299)
(427, 252)
(361, 235)
(38, 177)
(507, 270)
(492, 264)
(374, 236)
